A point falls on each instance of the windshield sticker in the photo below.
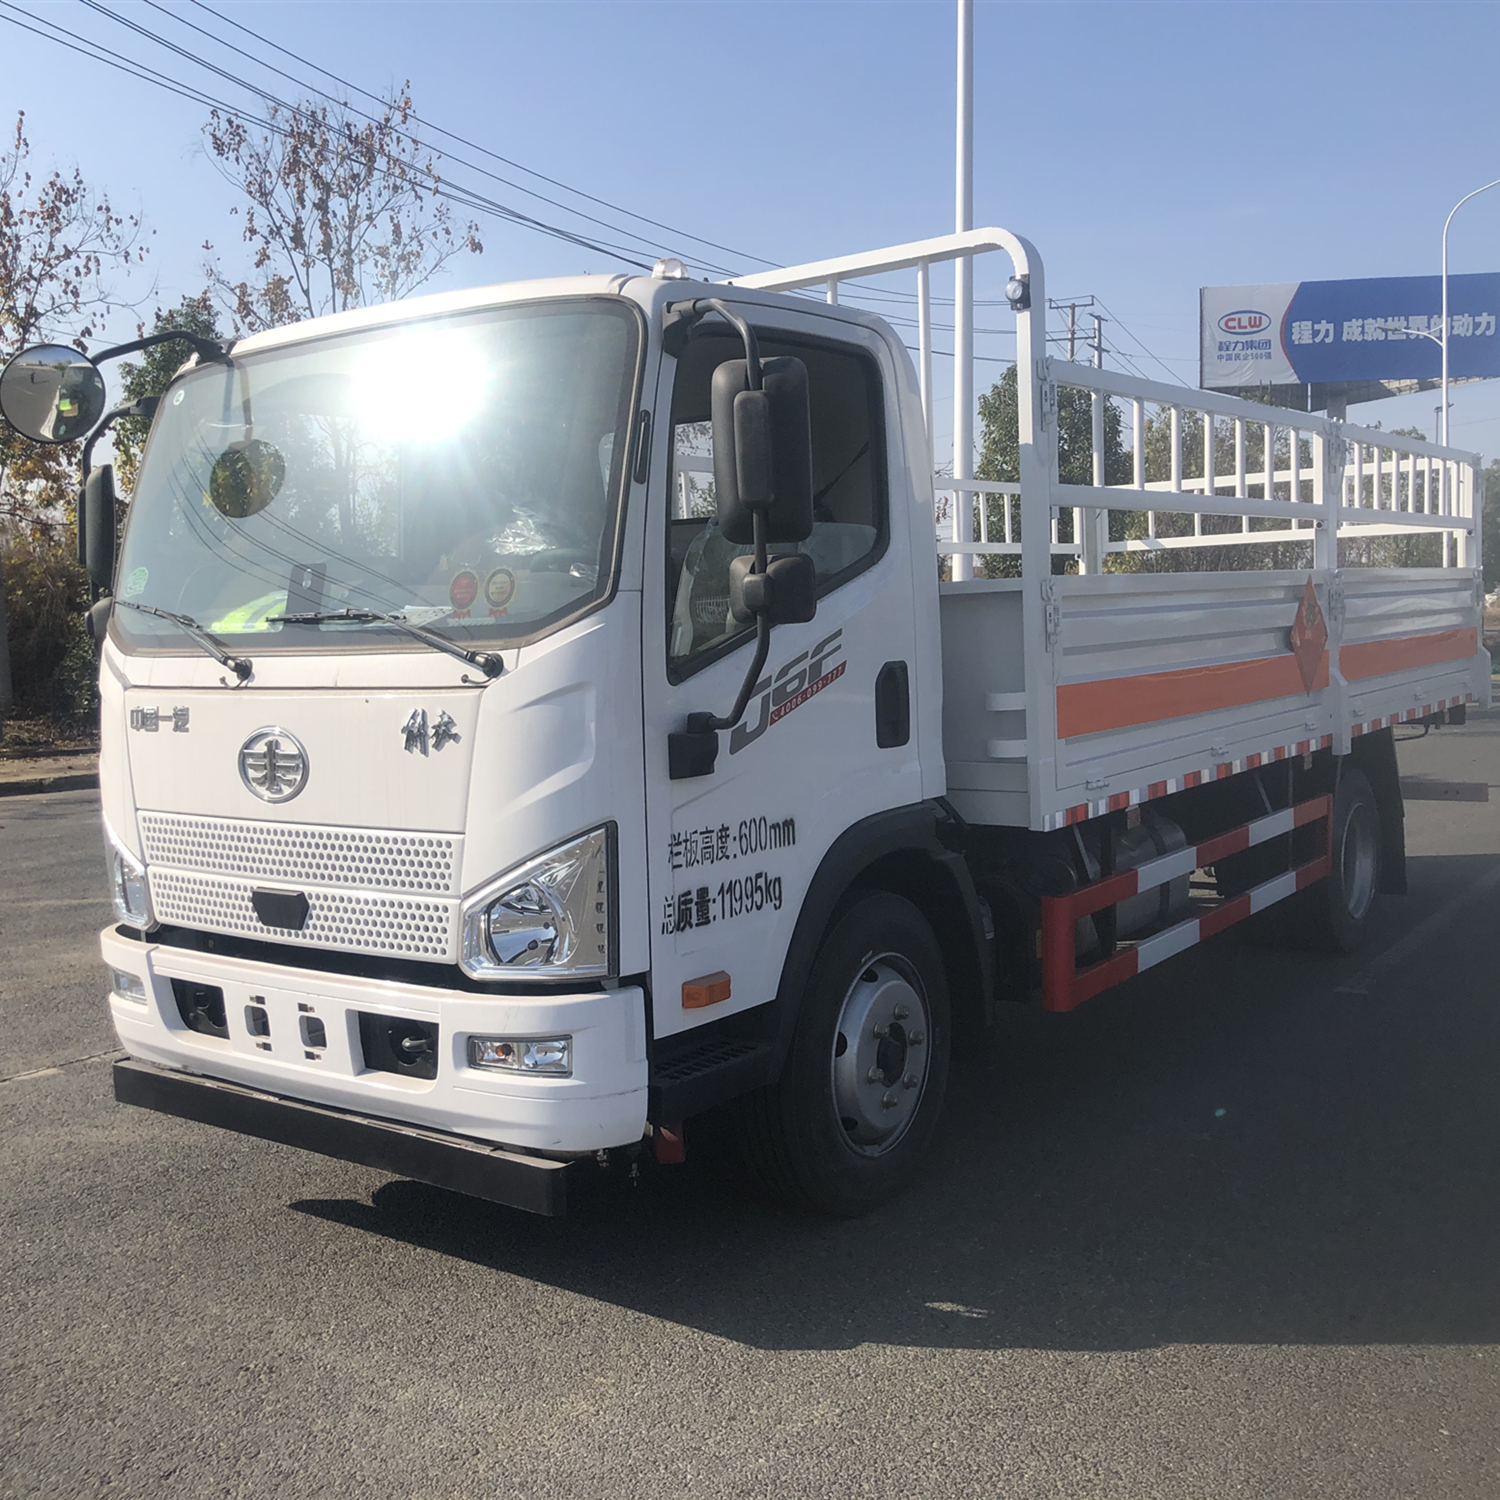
(801, 678)
(135, 583)
(462, 592)
(499, 590)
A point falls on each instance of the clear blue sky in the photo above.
(1147, 150)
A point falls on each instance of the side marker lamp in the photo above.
(710, 989)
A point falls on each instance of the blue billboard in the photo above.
(1376, 328)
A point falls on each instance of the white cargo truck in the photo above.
(535, 716)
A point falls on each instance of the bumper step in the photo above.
(532, 1183)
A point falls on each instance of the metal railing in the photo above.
(1355, 482)
(1313, 480)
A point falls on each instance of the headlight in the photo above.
(551, 918)
(127, 884)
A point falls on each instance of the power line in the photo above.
(651, 246)
(475, 146)
(478, 200)
(464, 197)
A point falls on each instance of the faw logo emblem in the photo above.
(273, 765)
(796, 681)
(1246, 321)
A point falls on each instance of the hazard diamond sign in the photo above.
(1309, 636)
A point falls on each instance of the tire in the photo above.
(849, 1121)
(1340, 907)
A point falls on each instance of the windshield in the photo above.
(462, 472)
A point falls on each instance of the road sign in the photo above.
(1378, 328)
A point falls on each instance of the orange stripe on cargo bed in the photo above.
(1119, 702)
(1376, 658)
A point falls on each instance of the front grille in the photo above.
(356, 921)
(371, 859)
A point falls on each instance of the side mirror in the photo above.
(763, 451)
(96, 526)
(786, 593)
(52, 394)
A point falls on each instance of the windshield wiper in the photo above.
(240, 665)
(488, 662)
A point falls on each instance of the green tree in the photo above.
(60, 243)
(1000, 457)
(341, 211)
(152, 375)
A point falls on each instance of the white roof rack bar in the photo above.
(894, 258)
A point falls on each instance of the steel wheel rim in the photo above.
(882, 1046)
(1358, 858)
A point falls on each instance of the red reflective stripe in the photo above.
(1091, 898)
(1095, 979)
(1119, 702)
(1232, 911)
(1220, 848)
(1313, 871)
(1309, 812)
(1377, 658)
(1058, 953)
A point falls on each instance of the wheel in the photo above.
(1341, 905)
(849, 1120)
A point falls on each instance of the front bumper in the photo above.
(601, 1105)
(536, 1183)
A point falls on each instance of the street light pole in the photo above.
(963, 296)
(1477, 191)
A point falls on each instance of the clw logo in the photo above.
(1245, 321)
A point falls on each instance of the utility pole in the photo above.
(1095, 518)
(963, 297)
(1072, 306)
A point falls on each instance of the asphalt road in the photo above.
(1230, 1230)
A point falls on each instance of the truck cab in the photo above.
(370, 877)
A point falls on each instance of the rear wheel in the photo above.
(1340, 907)
(852, 1115)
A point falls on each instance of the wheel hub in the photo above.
(880, 1055)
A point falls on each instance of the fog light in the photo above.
(128, 986)
(552, 1054)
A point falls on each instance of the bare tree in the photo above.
(59, 242)
(342, 211)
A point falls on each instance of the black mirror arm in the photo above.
(145, 407)
(681, 314)
(704, 723)
(214, 350)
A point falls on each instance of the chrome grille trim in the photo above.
(365, 859)
(399, 926)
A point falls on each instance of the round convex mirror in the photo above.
(246, 478)
(52, 394)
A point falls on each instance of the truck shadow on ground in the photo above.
(1227, 1150)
